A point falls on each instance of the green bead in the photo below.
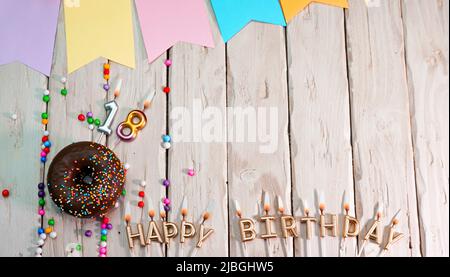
(103, 238)
(64, 92)
(97, 122)
(46, 98)
(44, 115)
(51, 222)
(90, 120)
(124, 192)
(41, 202)
(78, 247)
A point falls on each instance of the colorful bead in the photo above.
(46, 98)
(81, 117)
(44, 138)
(41, 186)
(105, 220)
(166, 208)
(124, 192)
(166, 90)
(141, 204)
(166, 201)
(106, 66)
(106, 77)
(166, 183)
(104, 238)
(106, 87)
(102, 250)
(45, 121)
(43, 159)
(64, 92)
(90, 120)
(88, 233)
(141, 194)
(168, 63)
(109, 226)
(48, 230)
(103, 226)
(97, 122)
(41, 212)
(41, 194)
(78, 247)
(40, 231)
(191, 172)
(41, 202)
(166, 138)
(104, 232)
(44, 115)
(90, 114)
(47, 144)
(51, 222)
(5, 193)
(106, 71)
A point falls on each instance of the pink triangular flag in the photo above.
(164, 23)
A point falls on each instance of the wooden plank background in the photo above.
(362, 100)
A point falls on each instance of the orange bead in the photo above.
(106, 66)
(45, 121)
(48, 230)
(106, 77)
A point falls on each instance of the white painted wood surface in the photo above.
(426, 31)
(388, 113)
(382, 148)
(320, 121)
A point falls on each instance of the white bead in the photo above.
(38, 250)
(103, 244)
(43, 146)
(91, 127)
(14, 116)
(40, 242)
(117, 205)
(127, 166)
(63, 80)
(38, 256)
(46, 133)
(166, 145)
(46, 92)
(143, 183)
(43, 236)
(53, 235)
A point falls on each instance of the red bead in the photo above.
(81, 117)
(44, 138)
(166, 90)
(141, 204)
(5, 193)
(105, 220)
(106, 71)
(141, 194)
(47, 150)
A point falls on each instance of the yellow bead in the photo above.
(106, 77)
(48, 230)
(106, 66)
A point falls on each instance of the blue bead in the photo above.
(43, 159)
(104, 232)
(47, 144)
(166, 138)
(40, 231)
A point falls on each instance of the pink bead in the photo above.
(103, 226)
(43, 154)
(191, 172)
(166, 201)
(103, 255)
(41, 212)
(103, 250)
(168, 63)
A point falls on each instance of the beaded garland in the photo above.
(86, 179)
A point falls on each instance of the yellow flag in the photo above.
(98, 28)
(292, 7)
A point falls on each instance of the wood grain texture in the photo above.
(382, 147)
(85, 94)
(256, 74)
(426, 31)
(198, 83)
(321, 150)
(21, 93)
(144, 155)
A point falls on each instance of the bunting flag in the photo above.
(98, 28)
(233, 15)
(292, 7)
(166, 22)
(28, 31)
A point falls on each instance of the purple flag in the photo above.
(28, 31)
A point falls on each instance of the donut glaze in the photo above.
(86, 179)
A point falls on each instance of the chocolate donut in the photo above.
(86, 179)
